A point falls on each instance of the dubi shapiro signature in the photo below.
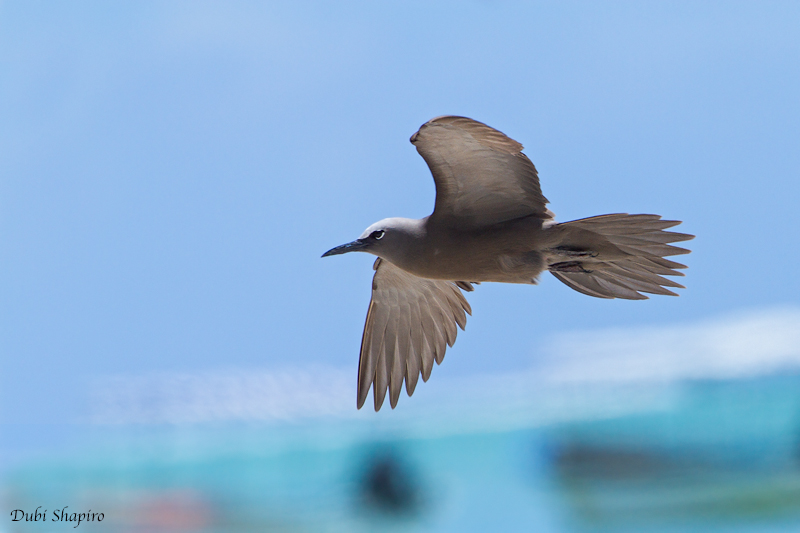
(58, 515)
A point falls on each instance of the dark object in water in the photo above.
(389, 486)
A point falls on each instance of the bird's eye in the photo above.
(377, 235)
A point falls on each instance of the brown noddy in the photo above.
(490, 223)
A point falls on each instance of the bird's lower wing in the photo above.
(410, 322)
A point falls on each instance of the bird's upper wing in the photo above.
(482, 177)
(409, 323)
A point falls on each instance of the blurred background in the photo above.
(175, 354)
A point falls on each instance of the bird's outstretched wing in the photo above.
(409, 323)
(482, 177)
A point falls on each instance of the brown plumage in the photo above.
(490, 223)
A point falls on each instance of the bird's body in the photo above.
(490, 224)
(509, 251)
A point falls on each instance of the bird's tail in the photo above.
(616, 256)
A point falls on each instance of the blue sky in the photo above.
(171, 172)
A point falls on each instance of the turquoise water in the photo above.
(720, 456)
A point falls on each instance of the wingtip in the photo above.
(379, 398)
(362, 395)
(411, 386)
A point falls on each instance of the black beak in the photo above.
(355, 246)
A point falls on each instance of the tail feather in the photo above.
(658, 265)
(621, 256)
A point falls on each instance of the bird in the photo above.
(490, 223)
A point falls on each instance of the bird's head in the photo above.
(385, 238)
